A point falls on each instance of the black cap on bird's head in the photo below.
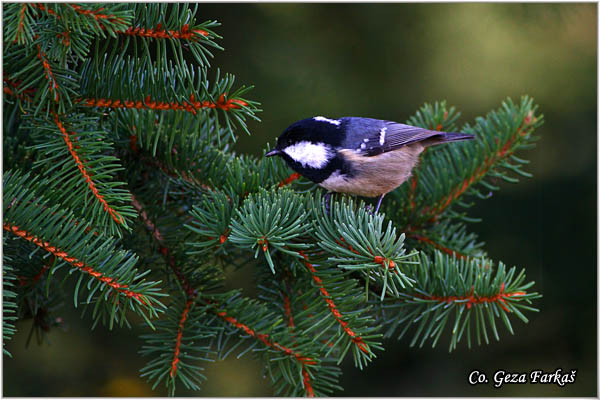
(313, 130)
(308, 145)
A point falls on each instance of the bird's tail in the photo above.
(455, 136)
(445, 137)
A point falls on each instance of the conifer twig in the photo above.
(356, 339)
(433, 212)
(438, 246)
(180, 327)
(471, 299)
(96, 14)
(111, 282)
(69, 142)
(156, 235)
(191, 105)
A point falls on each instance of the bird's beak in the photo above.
(273, 152)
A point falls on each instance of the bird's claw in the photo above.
(327, 197)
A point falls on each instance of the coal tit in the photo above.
(362, 156)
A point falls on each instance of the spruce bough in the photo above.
(119, 176)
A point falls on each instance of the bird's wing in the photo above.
(372, 137)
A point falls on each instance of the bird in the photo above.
(360, 156)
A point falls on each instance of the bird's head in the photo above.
(309, 143)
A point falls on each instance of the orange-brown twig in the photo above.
(265, 339)
(157, 33)
(189, 290)
(111, 282)
(115, 216)
(288, 311)
(184, 315)
(472, 299)
(439, 246)
(191, 293)
(274, 345)
(484, 168)
(191, 105)
(21, 23)
(332, 307)
(376, 259)
(160, 33)
(306, 380)
(96, 14)
(48, 73)
(43, 8)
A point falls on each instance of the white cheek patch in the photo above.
(382, 136)
(314, 155)
(331, 121)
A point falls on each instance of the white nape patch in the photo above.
(366, 140)
(314, 155)
(363, 146)
(331, 121)
(382, 136)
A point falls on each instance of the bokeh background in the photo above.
(384, 61)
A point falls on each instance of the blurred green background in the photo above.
(384, 61)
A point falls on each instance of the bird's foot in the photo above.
(326, 198)
(378, 204)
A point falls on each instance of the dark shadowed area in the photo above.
(384, 61)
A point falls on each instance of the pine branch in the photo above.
(132, 88)
(355, 240)
(362, 351)
(268, 221)
(38, 297)
(210, 221)
(289, 179)
(451, 238)
(109, 17)
(260, 337)
(440, 247)
(104, 20)
(18, 24)
(284, 291)
(177, 346)
(54, 84)
(160, 33)
(80, 172)
(66, 136)
(178, 341)
(112, 277)
(190, 105)
(151, 24)
(190, 291)
(292, 371)
(467, 292)
(45, 9)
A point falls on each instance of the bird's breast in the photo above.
(376, 175)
